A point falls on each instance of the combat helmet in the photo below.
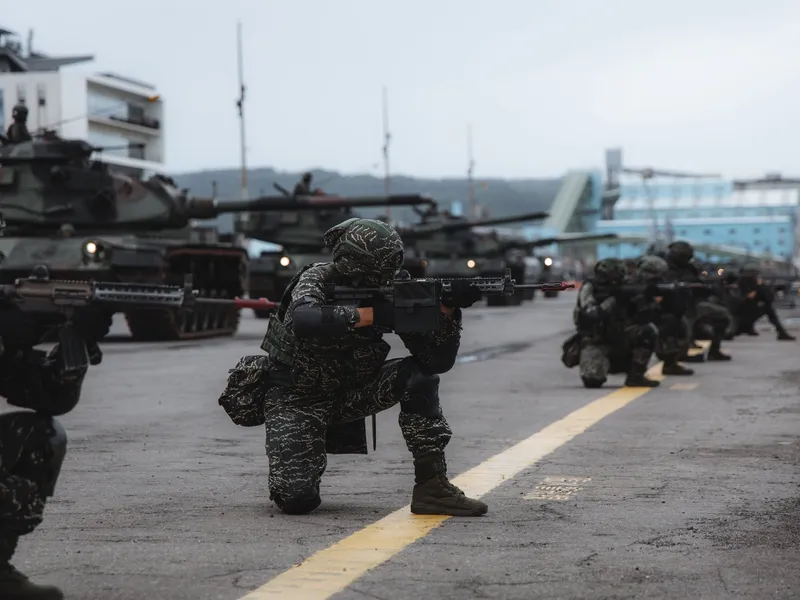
(19, 113)
(610, 270)
(651, 267)
(680, 253)
(366, 248)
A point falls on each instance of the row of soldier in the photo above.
(623, 316)
(325, 370)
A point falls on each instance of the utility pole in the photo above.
(387, 138)
(470, 172)
(240, 107)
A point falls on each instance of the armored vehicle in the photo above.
(82, 221)
(444, 245)
(299, 233)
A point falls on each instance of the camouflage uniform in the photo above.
(303, 187)
(673, 334)
(33, 444)
(32, 448)
(701, 314)
(751, 309)
(325, 376)
(18, 130)
(613, 339)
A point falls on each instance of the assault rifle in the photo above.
(416, 302)
(48, 298)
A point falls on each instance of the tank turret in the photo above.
(49, 182)
(299, 231)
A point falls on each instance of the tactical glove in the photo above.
(462, 294)
(383, 315)
(17, 329)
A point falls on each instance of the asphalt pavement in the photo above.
(691, 490)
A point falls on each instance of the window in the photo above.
(706, 232)
(104, 106)
(757, 230)
(732, 231)
(756, 243)
(780, 242)
(41, 95)
(118, 145)
(782, 230)
(21, 94)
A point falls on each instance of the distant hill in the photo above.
(500, 197)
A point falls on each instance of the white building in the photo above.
(107, 110)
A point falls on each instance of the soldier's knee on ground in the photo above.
(592, 382)
(300, 501)
(420, 394)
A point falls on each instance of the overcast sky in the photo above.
(703, 85)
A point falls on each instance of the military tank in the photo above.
(445, 245)
(548, 266)
(299, 233)
(83, 221)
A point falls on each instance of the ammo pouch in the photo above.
(243, 397)
(571, 351)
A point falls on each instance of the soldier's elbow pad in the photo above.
(317, 321)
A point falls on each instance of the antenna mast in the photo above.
(470, 171)
(240, 107)
(387, 138)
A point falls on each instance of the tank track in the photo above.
(217, 274)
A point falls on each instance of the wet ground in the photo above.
(691, 490)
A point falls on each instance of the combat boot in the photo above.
(676, 369)
(697, 358)
(640, 380)
(785, 336)
(435, 495)
(716, 354)
(16, 586)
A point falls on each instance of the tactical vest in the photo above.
(279, 342)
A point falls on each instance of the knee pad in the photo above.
(420, 394)
(593, 382)
(299, 502)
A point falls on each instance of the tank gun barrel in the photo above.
(424, 230)
(208, 208)
(566, 238)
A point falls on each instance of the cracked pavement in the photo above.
(683, 493)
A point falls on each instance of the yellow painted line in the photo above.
(333, 569)
(706, 344)
(683, 387)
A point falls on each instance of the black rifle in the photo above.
(417, 302)
(48, 298)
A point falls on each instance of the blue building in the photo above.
(757, 221)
